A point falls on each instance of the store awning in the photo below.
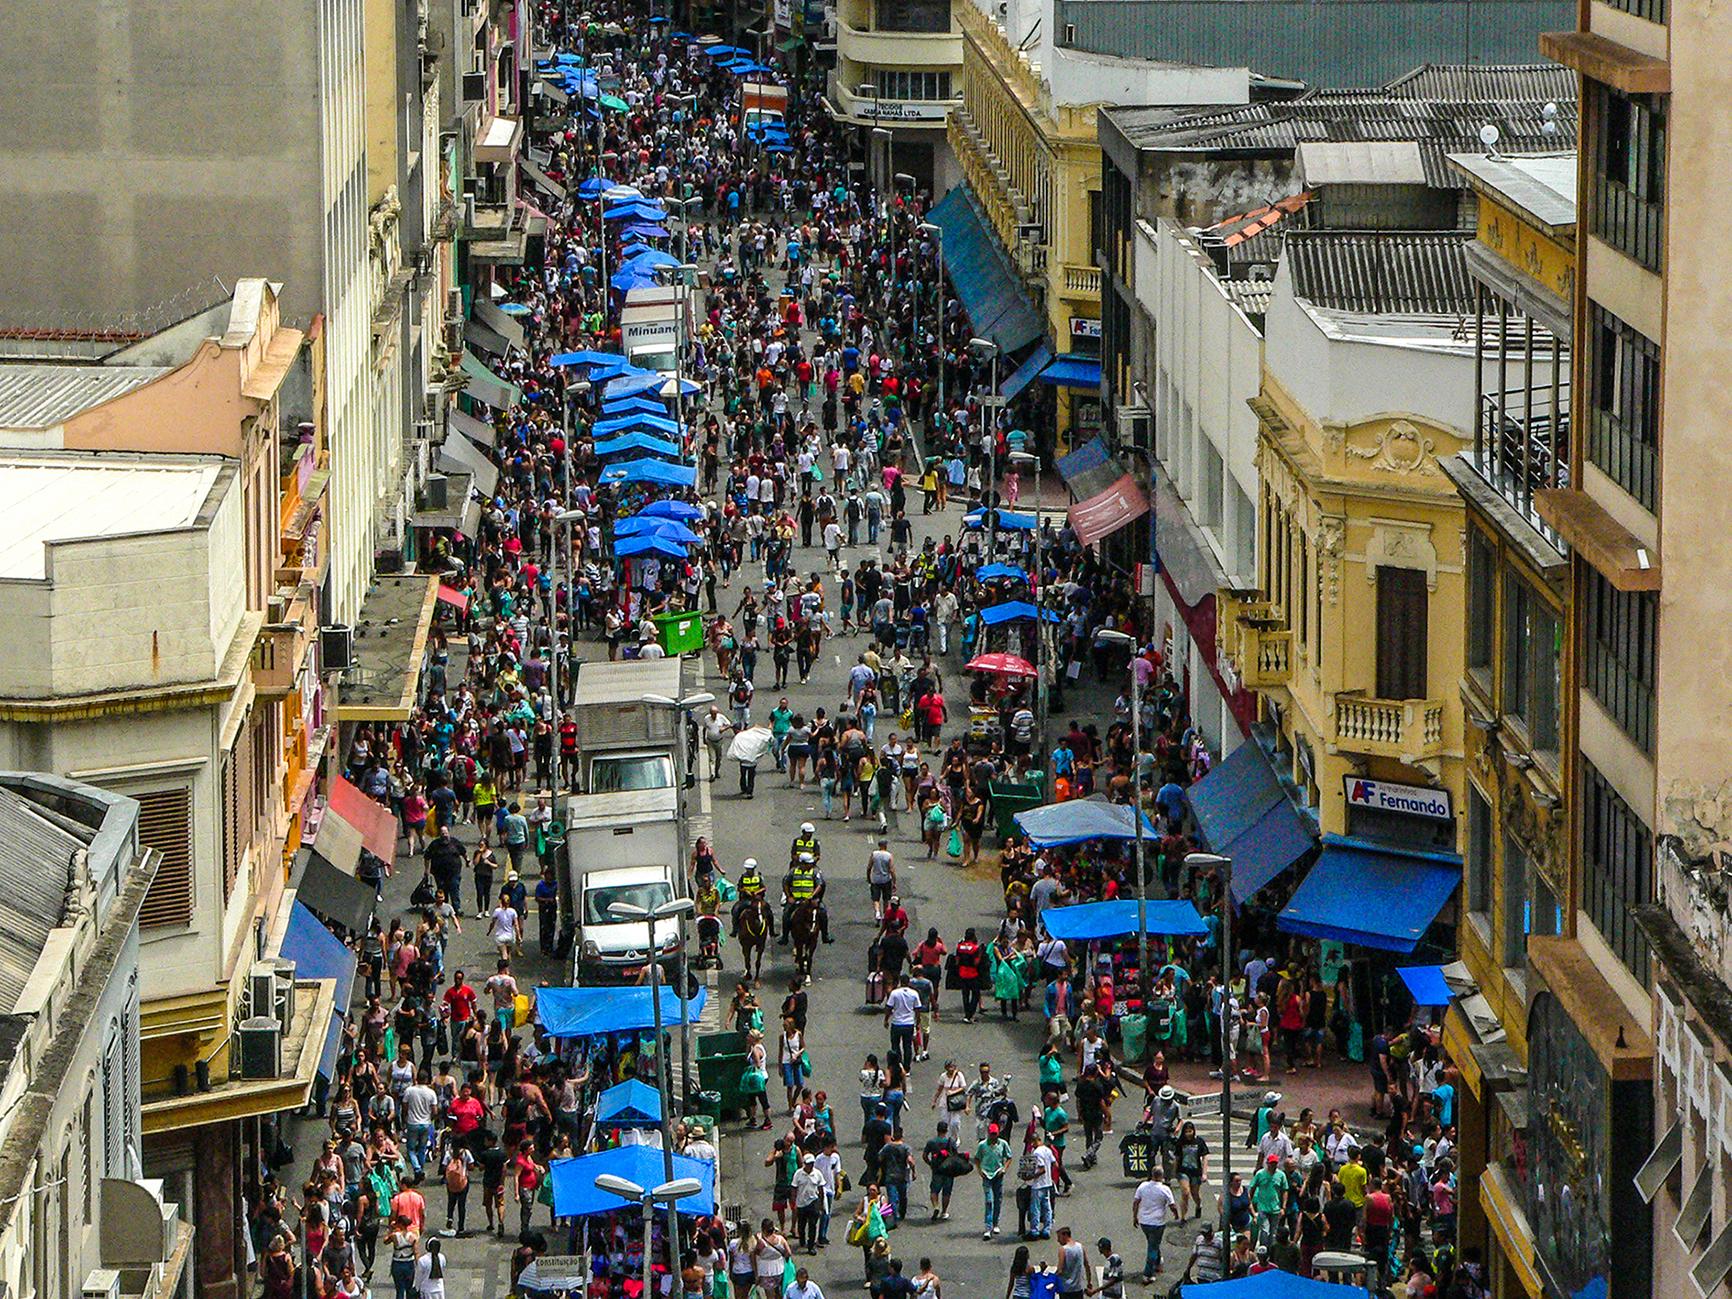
(459, 454)
(589, 1012)
(486, 338)
(389, 649)
(575, 1194)
(1243, 813)
(1073, 370)
(1088, 922)
(986, 279)
(374, 820)
(320, 954)
(540, 178)
(1106, 512)
(1090, 469)
(338, 843)
(452, 596)
(1024, 374)
(341, 899)
(1371, 894)
(629, 1102)
(485, 386)
(1082, 820)
(499, 321)
(476, 430)
(1426, 984)
(498, 140)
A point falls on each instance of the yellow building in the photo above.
(1353, 638)
(899, 69)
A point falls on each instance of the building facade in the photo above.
(76, 875)
(899, 69)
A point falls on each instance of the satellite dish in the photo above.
(1549, 112)
(1489, 136)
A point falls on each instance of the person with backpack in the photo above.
(457, 1166)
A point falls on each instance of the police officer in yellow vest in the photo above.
(751, 887)
(805, 842)
(804, 882)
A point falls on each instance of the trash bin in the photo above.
(679, 633)
(1009, 798)
(1134, 1036)
(706, 1106)
(721, 1061)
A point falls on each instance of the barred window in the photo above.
(913, 85)
(1617, 869)
(1628, 171)
(1624, 403)
(1621, 628)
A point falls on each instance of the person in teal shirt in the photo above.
(1057, 1123)
(781, 722)
(1268, 1198)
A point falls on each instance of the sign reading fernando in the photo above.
(1386, 796)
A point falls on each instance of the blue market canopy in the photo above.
(629, 1102)
(652, 257)
(1072, 370)
(589, 359)
(778, 148)
(647, 381)
(647, 230)
(1088, 922)
(588, 1012)
(1024, 374)
(726, 52)
(1371, 894)
(666, 529)
(659, 472)
(645, 442)
(1008, 521)
(984, 276)
(1243, 813)
(637, 423)
(320, 954)
(1426, 983)
(575, 1194)
(1081, 820)
(592, 189)
(1275, 1284)
(992, 572)
(1015, 611)
(671, 510)
(614, 407)
(636, 209)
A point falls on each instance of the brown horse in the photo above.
(752, 928)
(803, 934)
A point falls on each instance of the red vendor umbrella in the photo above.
(1002, 665)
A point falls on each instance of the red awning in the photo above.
(1106, 512)
(453, 597)
(377, 826)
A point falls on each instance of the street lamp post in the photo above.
(681, 275)
(653, 953)
(670, 1193)
(1117, 637)
(1039, 588)
(986, 347)
(936, 234)
(1225, 865)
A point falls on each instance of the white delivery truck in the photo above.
(625, 741)
(627, 846)
(654, 323)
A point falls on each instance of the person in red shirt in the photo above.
(408, 1203)
(459, 1004)
(1379, 1223)
(467, 1113)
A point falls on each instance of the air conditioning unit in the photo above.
(261, 1047)
(286, 1003)
(1136, 428)
(262, 990)
(337, 647)
(454, 303)
(474, 87)
(436, 492)
(454, 335)
(101, 1283)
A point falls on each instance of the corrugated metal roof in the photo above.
(41, 396)
(1542, 185)
(1250, 296)
(1382, 271)
(1487, 81)
(36, 856)
(1320, 42)
(1361, 162)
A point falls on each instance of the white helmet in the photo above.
(806, 827)
(750, 864)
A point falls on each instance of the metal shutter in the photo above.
(165, 823)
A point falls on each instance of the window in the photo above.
(1479, 850)
(913, 85)
(1624, 403)
(1533, 663)
(1304, 590)
(1617, 869)
(165, 823)
(1211, 498)
(1401, 633)
(913, 16)
(1620, 628)
(1653, 10)
(1481, 605)
(1515, 904)
(1628, 171)
(231, 819)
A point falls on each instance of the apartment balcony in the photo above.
(882, 49)
(282, 646)
(1408, 730)
(1082, 281)
(985, 175)
(1265, 656)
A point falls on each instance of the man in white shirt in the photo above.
(419, 1102)
(1152, 1208)
(810, 1192)
(802, 1287)
(1041, 1162)
(902, 1013)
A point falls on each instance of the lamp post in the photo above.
(936, 234)
(1114, 636)
(682, 707)
(653, 952)
(986, 347)
(670, 1193)
(682, 276)
(1225, 865)
(1033, 458)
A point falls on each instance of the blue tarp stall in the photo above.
(320, 954)
(1008, 521)
(1274, 1284)
(1089, 470)
(630, 1103)
(592, 189)
(992, 572)
(1072, 370)
(639, 381)
(640, 422)
(649, 544)
(618, 406)
(671, 510)
(590, 361)
(1024, 374)
(1426, 983)
(575, 1194)
(666, 529)
(1243, 813)
(1015, 611)
(1081, 820)
(1371, 894)
(1088, 922)
(588, 1012)
(659, 472)
(985, 278)
(648, 443)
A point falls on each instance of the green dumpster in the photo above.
(1009, 798)
(721, 1061)
(680, 633)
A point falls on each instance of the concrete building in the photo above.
(180, 176)
(1522, 262)
(899, 69)
(75, 1211)
(1633, 993)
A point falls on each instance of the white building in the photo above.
(74, 1213)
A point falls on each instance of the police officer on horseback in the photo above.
(803, 883)
(752, 890)
(806, 842)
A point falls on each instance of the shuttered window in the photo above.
(231, 818)
(1401, 633)
(165, 823)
